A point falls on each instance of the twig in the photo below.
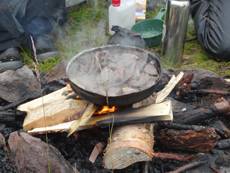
(206, 91)
(188, 166)
(171, 156)
(2, 139)
(39, 79)
(214, 169)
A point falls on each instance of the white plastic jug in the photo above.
(123, 15)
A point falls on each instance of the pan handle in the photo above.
(161, 13)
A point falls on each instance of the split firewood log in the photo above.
(129, 144)
(58, 107)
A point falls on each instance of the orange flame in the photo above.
(106, 109)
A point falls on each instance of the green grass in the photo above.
(88, 27)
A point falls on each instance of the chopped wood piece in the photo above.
(199, 140)
(91, 108)
(148, 101)
(58, 107)
(152, 113)
(161, 95)
(129, 144)
(97, 149)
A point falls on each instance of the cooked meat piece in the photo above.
(129, 90)
(151, 82)
(115, 91)
(127, 59)
(142, 61)
(151, 69)
(141, 82)
(136, 74)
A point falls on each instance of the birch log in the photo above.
(129, 144)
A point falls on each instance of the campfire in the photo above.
(106, 109)
(168, 130)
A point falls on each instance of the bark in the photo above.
(129, 144)
(199, 140)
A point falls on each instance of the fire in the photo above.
(106, 109)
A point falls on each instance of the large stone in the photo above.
(30, 155)
(56, 73)
(17, 84)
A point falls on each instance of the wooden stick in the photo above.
(91, 108)
(161, 95)
(163, 156)
(206, 91)
(188, 166)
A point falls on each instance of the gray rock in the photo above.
(30, 155)
(58, 72)
(17, 84)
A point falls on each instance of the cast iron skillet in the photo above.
(122, 100)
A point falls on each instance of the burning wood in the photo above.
(180, 136)
(152, 113)
(106, 109)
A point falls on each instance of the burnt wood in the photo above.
(202, 139)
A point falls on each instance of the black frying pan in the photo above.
(122, 100)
